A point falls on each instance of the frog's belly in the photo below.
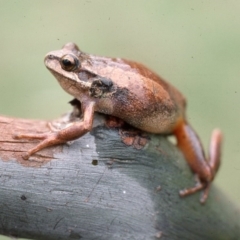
(155, 124)
(162, 123)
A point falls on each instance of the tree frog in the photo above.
(133, 93)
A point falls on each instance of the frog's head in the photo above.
(65, 65)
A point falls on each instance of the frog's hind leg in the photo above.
(205, 169)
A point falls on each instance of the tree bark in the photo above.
(100, 188)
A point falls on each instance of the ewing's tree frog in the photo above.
(130, 91)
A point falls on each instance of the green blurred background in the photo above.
(193, 44)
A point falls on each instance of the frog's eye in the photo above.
(69, 62)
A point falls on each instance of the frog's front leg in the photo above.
(204, 168)
(72, 132)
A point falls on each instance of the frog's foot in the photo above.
(48, 139)
(70, 133)
(199, 186)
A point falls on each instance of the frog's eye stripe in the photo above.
(69, 62)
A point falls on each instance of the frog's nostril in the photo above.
(50, 56)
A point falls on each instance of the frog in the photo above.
(132, 92)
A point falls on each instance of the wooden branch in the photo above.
(100, 188)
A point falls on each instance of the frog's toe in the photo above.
(16, 136)
(199, 186)
(39, 136)
(26, 156)
(204, 195)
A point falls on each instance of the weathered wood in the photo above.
(99, 188)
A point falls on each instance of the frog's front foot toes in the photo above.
(18, 136)
(46, 140)
(26, 156)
